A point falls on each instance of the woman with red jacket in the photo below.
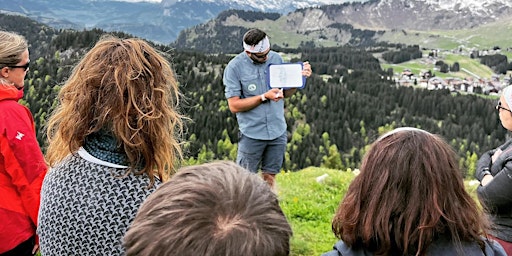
(22, 165)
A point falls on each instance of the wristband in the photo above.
(263, 98)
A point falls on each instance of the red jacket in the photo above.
(22, 169)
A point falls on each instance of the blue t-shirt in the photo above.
(243, 78)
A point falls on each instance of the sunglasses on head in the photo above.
(24, 67)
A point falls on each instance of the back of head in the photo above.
(126, 87)
(409, 192)
(12, 47)
(212, 209)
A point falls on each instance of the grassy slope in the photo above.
(483, 37)
(281, 34)
(310, 206)
(473, 65)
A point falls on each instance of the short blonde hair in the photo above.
(12, 46)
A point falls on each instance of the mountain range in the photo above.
(170, 21)
(280, 6)
(157, 21)
(428, 23)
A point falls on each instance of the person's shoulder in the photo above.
(10, 103)
(237, 57)
(235, 61)
(14, 114)
(447, 247)
(12, 106)
(494, 248)
(275, 55)
(340, 248)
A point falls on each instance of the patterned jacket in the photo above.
(87, 205)
(22, 169)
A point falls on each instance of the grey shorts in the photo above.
(269, 154)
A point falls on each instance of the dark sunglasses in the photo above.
(499, 107)
(24, 67)
(259, 56)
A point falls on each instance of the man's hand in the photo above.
(486, 179)
(274, 94)
(306, 69)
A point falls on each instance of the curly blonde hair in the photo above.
(127, 87)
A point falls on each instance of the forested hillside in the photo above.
(343, 108)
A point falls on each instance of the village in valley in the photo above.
(439, 75)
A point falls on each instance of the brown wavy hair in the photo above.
(128, 87)
(410, 191)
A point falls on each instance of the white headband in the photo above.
(396, 130)
(507, 93)
(262, 46)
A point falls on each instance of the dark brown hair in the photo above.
(254, 36)
(409, 192)
(217, 208)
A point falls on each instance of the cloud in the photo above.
(134, 1)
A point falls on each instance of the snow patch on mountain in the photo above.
(266, 5)
(476, 7)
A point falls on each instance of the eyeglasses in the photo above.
(499, 107)
(24, 67)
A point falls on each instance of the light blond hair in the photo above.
(12, 46)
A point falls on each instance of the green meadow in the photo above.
(465, 62)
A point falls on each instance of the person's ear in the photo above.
(4, 72)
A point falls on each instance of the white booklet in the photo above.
(286, 75)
